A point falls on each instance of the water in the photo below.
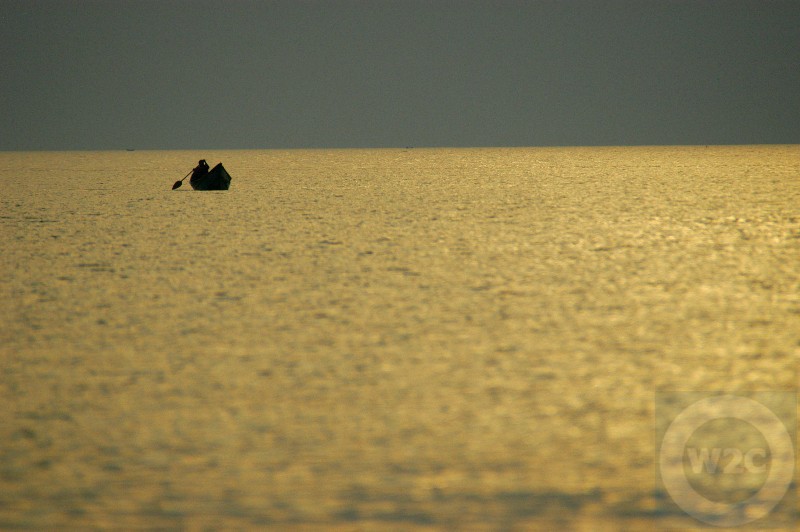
(370, 338)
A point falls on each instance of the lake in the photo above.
(370, 339)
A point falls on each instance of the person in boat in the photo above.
(201, 169)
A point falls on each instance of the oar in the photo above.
(179, 183)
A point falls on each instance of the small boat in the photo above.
(215, 179)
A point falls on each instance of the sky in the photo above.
(168, 74)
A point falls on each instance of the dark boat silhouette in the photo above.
(215, 179)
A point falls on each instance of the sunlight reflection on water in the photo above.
(419, 337)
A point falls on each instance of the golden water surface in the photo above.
(373, 339)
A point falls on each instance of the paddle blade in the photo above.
(177, 184)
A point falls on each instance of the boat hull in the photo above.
(216, 179)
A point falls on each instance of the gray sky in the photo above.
(292, 74)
